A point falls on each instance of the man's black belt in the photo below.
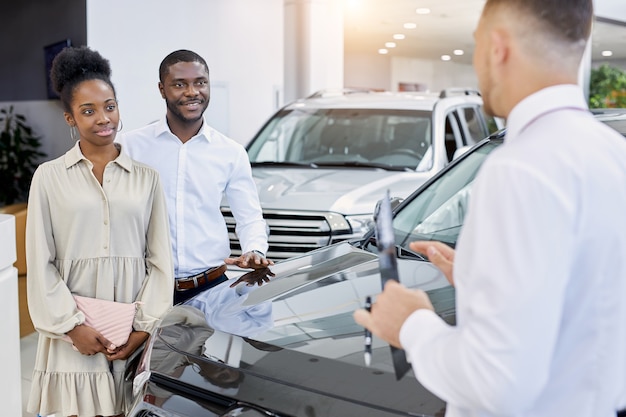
(200, 280)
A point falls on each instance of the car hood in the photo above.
(291, 345)
(342, 190)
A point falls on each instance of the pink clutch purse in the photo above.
(111, 318)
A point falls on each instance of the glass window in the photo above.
(437, 213)
(397, 138)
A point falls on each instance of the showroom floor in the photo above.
(28, 348)
(28, 344)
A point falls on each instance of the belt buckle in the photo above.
(195, 281)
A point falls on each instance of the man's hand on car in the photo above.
(252, 259)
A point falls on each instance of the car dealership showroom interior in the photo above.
(363, 125)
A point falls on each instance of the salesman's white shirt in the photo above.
(195, 175)
(540, 273)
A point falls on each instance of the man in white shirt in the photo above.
(540, 265)
(198, 165)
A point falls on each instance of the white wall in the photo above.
(610, 9)
(436, 75)
(385, 72)
(313, 41)
(363, 71)
(241, 40)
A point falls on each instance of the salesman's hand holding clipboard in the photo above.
(396, 303)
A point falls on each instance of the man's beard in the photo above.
(175, 111)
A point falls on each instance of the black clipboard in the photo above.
(385, 240)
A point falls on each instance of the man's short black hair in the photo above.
(182, 55)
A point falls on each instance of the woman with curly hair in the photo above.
(97, 227)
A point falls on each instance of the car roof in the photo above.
(370, 99)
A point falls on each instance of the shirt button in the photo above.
(106, 222)
(105, 247)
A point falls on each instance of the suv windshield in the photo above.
(378, 137)
(437, 213)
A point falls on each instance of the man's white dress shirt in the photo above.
(540, 273)
(195, 175)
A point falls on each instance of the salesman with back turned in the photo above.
(540, 265)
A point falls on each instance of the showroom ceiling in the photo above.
(370, 24)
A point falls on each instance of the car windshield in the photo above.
(437, 212)
(331, 137)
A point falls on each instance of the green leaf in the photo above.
(19, 150)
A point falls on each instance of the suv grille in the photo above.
(292, 233)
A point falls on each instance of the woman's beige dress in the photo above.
(108, 241)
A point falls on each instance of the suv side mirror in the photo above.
(394, 201)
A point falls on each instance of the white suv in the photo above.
(321, 163)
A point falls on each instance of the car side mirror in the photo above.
(394, 201)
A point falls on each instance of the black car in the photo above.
(291, 347)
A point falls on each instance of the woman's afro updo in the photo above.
(74, 65)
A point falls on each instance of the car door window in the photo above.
(454, 136)
(473, 125)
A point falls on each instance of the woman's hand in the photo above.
(135, 340)
(88, 340)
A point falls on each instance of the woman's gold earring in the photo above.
(73, 133)
(120, 126)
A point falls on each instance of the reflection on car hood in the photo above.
(346, 191)
(291, 345)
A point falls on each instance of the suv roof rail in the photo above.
(458, 91)
(329, 92)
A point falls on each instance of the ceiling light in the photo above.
(458, 52)
(382, 51)
(398, 36)
(422, 10)
(410, 25)
(390, 44)
(607, 53)
(446, 57)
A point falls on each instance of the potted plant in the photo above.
(19, 156)
(607, 87)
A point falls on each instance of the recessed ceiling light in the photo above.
(390, 44)
(458, 52)
(607, 53)
(446, 57)
(422, 10)
(398, 36)
(382, 51)
(410, 25)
